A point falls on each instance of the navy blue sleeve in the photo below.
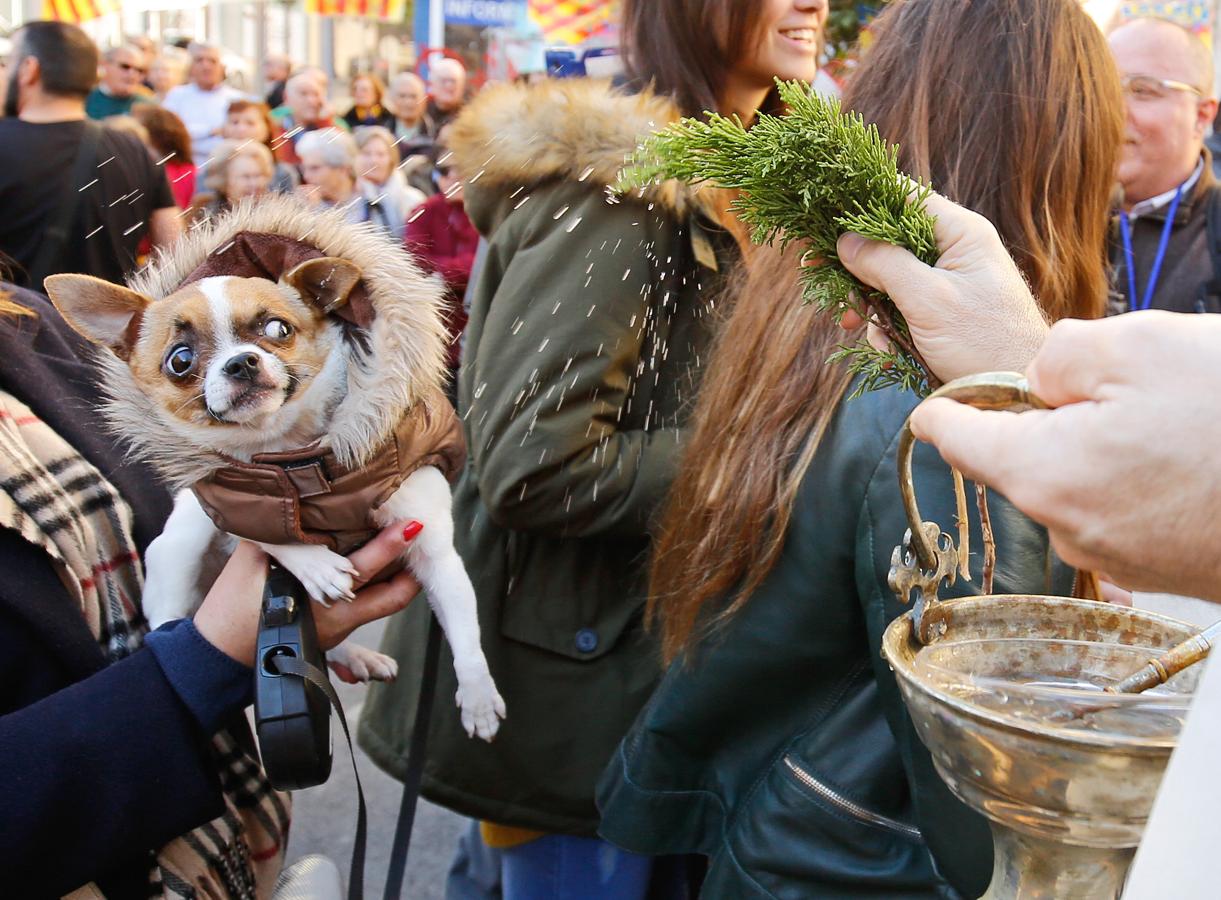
(212, 685)
(103, 771)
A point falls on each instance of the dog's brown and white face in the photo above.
(232, 362)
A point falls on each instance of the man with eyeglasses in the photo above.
(1160, 254)
(121, 85)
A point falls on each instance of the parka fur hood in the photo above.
(394, 363)
(515, 136)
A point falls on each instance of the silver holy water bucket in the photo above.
(1005, 691)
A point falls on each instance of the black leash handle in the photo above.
(415, 764)
(292, 665)
(294, 729)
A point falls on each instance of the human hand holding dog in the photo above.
(228, 618)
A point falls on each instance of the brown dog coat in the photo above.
(308, 496)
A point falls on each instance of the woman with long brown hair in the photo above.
(777, 744)
(587, 334)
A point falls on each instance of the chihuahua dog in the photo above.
(277, 420)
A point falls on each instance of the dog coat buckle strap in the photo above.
(309, 476)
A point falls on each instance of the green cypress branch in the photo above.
(810, 176)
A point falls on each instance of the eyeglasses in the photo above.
(128, 67)
(1147, 87)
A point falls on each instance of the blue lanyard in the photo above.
(1126, 232)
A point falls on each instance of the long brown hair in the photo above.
(1012, 108)
(166, 132)
(686, 48)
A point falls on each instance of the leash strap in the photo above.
(292, 665)
(415, 764)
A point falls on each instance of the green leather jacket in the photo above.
(588, 327)
(782, 750)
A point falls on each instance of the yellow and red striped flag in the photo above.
(386, 10)
(77, 11)
(572, 21)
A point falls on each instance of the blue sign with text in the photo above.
(484, 13)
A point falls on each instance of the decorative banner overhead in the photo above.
(573, 21)
(387, 10)
(77, 11)
(484, 13)
(1194, 14)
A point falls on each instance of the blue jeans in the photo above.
(552, 867)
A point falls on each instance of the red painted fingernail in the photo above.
(411, 529)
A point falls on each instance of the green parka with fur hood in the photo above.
(589, 324)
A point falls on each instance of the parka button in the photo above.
(587, 640)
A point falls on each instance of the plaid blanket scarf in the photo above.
(57, 500)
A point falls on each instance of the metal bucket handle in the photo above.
(928, 556)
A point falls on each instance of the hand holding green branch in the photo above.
(810, 176)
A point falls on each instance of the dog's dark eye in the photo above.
(180, 360)
(277, 329)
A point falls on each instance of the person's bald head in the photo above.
(305, 96)
(277, 67)
(1168, 78)
(318, 74)
(447, 82)
(408, 96)
(207, 69)
(1170, 47)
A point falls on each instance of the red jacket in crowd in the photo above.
(182, 181)
(444, 241)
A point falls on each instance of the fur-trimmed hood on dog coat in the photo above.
(393, 420)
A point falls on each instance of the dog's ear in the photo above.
(102, 311)
(324, 283)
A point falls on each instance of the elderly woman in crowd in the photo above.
(328, 165)
(238, 169)
(368, 103)
(250, 120)
(379, 178)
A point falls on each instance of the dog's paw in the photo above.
(166, 598)
(363, 663)
(481, 706)
(324, 574)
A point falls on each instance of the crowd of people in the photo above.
(201, 146)
(677, 519)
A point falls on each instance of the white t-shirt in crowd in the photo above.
(203, 112)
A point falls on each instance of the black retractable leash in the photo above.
(293, 721)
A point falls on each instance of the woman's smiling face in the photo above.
(790, 38)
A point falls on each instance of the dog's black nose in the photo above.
(244, 366)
